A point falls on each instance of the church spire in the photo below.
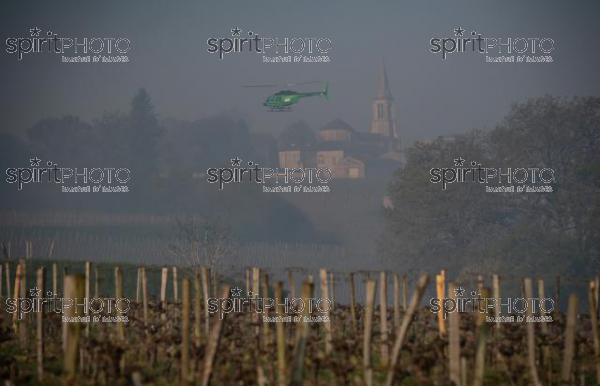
(384, 120)
(383, 89)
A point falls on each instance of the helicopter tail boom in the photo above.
(324, 93)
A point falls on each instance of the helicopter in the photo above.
(283, 100)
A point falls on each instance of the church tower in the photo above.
(384, 120)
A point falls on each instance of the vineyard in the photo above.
(179, 325)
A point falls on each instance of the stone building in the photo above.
(336, 131)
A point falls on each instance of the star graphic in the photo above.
(35, 31)
(458, 31)
(459, 291)
(236, 161)
(235, 31)
(250, 294)
(236, 292)
(34, 292)
(459, 161)
(35, 161)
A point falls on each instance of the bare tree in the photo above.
(202, 241)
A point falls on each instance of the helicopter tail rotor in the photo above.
(325, 92)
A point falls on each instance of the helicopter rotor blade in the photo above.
(301, 83)
(279, 85)
(259, 85)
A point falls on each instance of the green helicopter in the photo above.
(284, 100)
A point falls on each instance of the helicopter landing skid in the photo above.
(281, 110)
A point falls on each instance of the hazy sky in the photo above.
(169, 58)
